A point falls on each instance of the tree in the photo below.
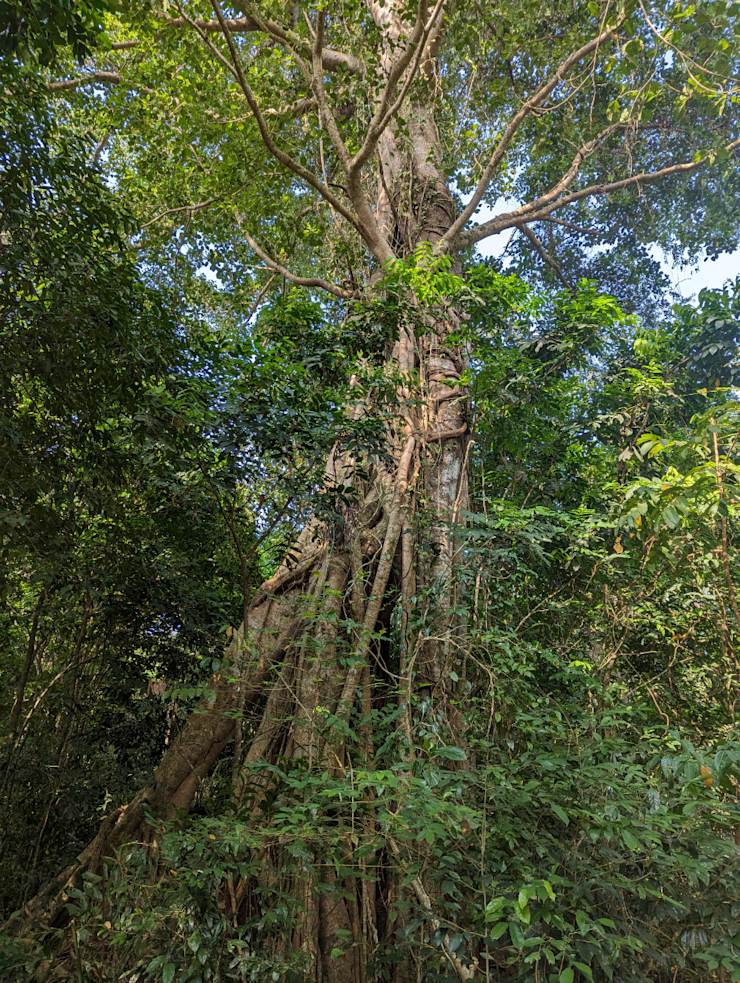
(326, 149)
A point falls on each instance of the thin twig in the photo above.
(301, 281)
(547, 257)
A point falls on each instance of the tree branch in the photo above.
(285, 159)
(527, 213)
(511, 130)
(239, 25)
(570, 225)
(182, 208)
(431, 25)
(566, 180)
(98, 78)
(317, 84)
(364, 222)
(301, 281)
(543, 253)
(331, 59)
(382, 116)
(386, 109)
(295, 109)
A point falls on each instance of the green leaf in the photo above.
(566, 976)
(517, 936)
(671, 516)
(630, 841)
(586, 970)
(450, 753)
(560, 813)
(168, 972)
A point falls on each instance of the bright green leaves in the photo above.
(429, 277)
(698, 487)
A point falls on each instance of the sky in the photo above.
(688, 280)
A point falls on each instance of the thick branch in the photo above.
(503, 145)
(239, 25)
(431, 435)
(98, 78)
(526, 213)
(570, 175)
(565, 181)
(331, 59)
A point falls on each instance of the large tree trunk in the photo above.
(284, 668)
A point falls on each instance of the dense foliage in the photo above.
(167, 405)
